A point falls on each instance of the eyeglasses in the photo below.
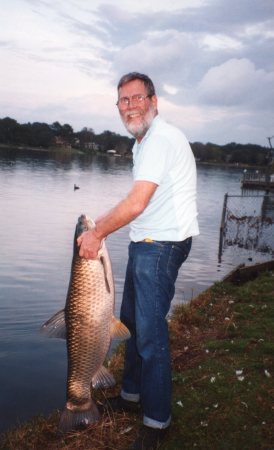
(138, 99)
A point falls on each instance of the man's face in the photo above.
(137, 116)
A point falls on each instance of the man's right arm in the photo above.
(123, 213)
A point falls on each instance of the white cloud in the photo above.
(172, 90)
(211, 62)
(237, 82)
(221, 42)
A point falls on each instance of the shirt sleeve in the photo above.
(155, 161)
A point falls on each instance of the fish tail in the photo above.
(77, 419)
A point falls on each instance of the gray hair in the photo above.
(138, 76)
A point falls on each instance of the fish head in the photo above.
(84, 223)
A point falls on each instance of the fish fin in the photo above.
(103, 379)
(76, 419)
(55, 327)
(118, 330)
(103, 261)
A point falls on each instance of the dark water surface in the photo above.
(38, 212)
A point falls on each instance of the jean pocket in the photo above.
(178, 254)
(183, 247)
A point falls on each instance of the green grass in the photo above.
(223, 380)
(226, 401)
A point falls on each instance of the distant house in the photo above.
(91, 146)
(61, 142)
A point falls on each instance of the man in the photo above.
(161, 210)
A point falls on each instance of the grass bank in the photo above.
(223, 376)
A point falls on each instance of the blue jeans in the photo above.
(149, 288)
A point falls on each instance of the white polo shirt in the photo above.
(164, 157)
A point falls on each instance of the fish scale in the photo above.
(86, 314)
(88, 324)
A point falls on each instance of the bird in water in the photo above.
(76, 187)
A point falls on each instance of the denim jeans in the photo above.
(149, 288)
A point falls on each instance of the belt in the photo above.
(150, 241)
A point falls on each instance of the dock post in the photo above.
(222, 228)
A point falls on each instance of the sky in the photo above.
(212, 63)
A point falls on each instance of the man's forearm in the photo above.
(126, 210)
(122, 214)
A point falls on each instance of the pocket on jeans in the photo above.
(183, 247)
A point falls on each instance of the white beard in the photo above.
(138, 130)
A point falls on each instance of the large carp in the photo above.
(88, 324)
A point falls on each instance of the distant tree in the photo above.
(9, 130)
(63, 131)
(198, 150)
(214, 152)
(26, 134)
(124, 146)
(210, 152)
(56, 127)
(85, 136)
(113, 141)
(106, 140)
(41, 135)
(67, 132)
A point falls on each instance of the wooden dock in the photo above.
(257, 181)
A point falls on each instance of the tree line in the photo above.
(232, 153)
(43, 135)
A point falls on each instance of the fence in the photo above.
(247, 222)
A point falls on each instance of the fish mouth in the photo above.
(84, 223)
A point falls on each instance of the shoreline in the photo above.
(73, 150)
(38, 149)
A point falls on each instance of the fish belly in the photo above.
(88, 317)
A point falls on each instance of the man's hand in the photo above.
(89, 245)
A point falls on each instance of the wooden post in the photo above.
(222, 228)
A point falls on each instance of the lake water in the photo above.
(38, 212)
